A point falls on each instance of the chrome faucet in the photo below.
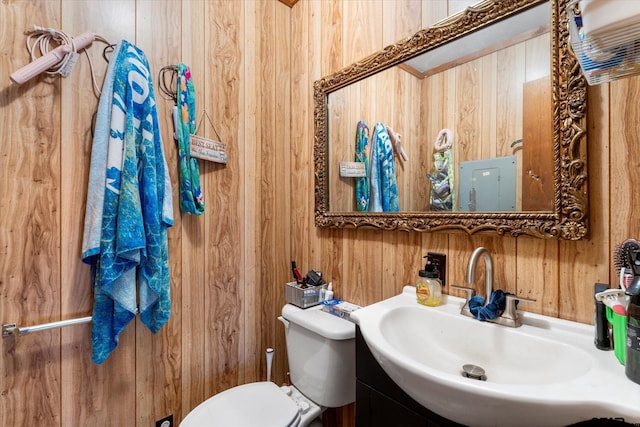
(488, 271)
(510, 316)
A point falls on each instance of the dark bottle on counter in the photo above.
(632, 355)
(632, 359)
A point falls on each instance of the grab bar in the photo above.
(12, 329)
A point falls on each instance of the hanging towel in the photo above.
(191, 198)
(375, 198)
(384, 189)
(442, 176)
(98, 168)
(129, 205)
(362, 156)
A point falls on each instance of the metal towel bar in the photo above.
(12, 329)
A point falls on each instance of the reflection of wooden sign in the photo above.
(207, 149)
(352, 169)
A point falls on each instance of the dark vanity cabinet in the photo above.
(380, 402)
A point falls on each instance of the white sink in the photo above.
(545, 373)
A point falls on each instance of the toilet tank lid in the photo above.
(320, 322)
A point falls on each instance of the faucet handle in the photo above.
(510, 310)
(469, 292)
(512, 298)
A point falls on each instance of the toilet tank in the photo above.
(322, 355)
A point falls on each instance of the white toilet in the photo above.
(322, 366)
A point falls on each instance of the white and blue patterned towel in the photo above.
(129, 205)
(384, 188)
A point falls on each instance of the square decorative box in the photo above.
(302, 296)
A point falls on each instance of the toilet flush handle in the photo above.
(285, 321)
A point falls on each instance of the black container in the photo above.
(632, 356)
(601, 325)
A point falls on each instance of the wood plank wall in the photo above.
(254, 63)
(224, 264)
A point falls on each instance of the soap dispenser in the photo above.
(428, 286)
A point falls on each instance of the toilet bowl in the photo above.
(321, 353)
(253, 404)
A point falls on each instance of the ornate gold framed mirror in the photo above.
(531, 118)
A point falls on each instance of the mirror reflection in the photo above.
(466, 127)
(511, 113)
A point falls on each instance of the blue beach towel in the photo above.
(129, 205)
(384, 189)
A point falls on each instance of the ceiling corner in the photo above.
(289, 3)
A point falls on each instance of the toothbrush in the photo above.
(615, 299)
(296, 272)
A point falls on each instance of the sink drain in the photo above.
(474, 372)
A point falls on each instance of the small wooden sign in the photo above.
(207, 149)
(352, 170)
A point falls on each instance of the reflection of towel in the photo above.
(362, 156)
(384, 190)
(191, 199)
(127, 218)
(442, 194)
(442, 175)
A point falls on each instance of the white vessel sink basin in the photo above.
(545, 373)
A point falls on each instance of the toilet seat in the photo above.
(248, 405)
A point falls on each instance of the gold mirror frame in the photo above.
(569, 218)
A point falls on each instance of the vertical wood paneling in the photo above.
(91, 394)
(192, 283)
(539, 283)
(510, 77)
(31, 225)
(625, 152)
(322, 29)
(251, 137)
(276, 174)
(342, 127)
(467, 121)
(223, 297)
(366, 17)
(306, 51)
(401, 19)
(217, 348)
(158, 356)
(287, 193)
(401, 245)
(488, 105)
